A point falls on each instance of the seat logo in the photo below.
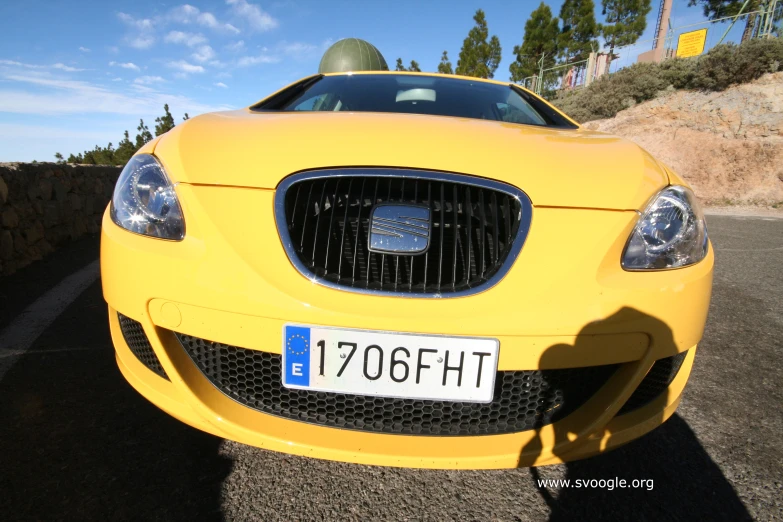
(400, 229)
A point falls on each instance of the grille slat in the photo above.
(523, 400)
(473, 230)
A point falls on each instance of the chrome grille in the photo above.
(477, 229)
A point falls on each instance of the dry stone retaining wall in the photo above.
(44, 205)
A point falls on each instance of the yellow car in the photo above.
(406, 270)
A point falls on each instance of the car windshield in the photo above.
(409, 94)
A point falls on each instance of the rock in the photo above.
(45, 186)
(33, 192)
(6, 245)
(3, 191)
(60, 192)
(45, 247)
(9, 218)
(34, 233)
(20, 245)
(51, 214)
(76, 201)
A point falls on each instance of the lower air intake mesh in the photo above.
(523, 400)
(138, 343)
(654, 383)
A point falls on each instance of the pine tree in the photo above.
(164, 123)
(540, 40)
(626, 21)
(186, 117)
(143, 136)
(444, 67)
(414, 67)
(400, 66)
(59, 157)
(125, 149)
(714, 9)
(478, 57)
(579, 31)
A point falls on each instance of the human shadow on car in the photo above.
(681, 481)
(78, 443)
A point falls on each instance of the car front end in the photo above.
(298, 282)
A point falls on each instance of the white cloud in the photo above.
(116, 79)
(128, 65)
(221, 85)
(203, 53)
(142, 24)
(147, 80)
(185, 67)
(60, 66)
(247, 61)
(142, 37)
(78, 97)
(257, 18)
(65, 68)
(143, 41)
(236, 46)
(84, 49)
(297, 49)
(189, 39)
(188, 14)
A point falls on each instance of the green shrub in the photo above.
(722, 67)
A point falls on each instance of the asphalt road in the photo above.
(78, 443)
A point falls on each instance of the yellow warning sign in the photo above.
(691, 44)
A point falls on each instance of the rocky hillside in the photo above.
(728, 145)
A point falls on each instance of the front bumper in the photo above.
(564, 304)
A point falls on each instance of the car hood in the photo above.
(565, 168)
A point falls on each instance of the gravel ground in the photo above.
(79, 444)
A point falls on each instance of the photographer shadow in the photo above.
(681, 481)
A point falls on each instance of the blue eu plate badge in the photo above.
(297, 355)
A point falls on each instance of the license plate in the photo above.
(386, 364)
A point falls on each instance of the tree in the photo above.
(714, 9)
(478, 57)
(444, 67)
(626, 21)
(414, 67)
(125, 149)
(400, 66)
(59, 157)
(144, 136)
(540, 40)
(164, 123)
(577, 37)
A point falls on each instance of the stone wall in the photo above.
(44, 205)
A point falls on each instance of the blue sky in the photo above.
(75, 73)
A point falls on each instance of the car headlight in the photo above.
(145, 202)
(671, 233)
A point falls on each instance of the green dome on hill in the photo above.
(352, 54)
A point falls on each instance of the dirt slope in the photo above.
(728, 145)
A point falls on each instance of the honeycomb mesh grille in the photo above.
(654, 383)
(473, 229)
(138, 343)
(523, 400)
